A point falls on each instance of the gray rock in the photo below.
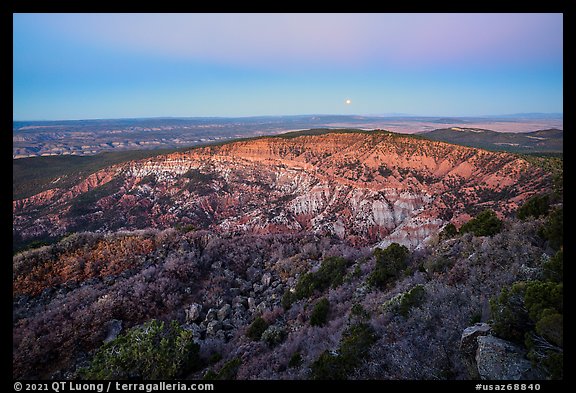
(228, 274)
(224, 312)
(213, 327)
(261, 307)
(499, 359)
(468, 341)
(240, 301)
(274, 335)
(257, 288)
(184, 246)
(195, 329)
(227, 325)
(266, 279)
(114, 327)
(238, 318)
(251, 303)
(253, 274)
(211, 315)
(193, 312)
(469, 345)
(245, 287)
(216, 265)
(234, 292)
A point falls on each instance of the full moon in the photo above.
(348, 101)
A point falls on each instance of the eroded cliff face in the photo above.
(367, 188)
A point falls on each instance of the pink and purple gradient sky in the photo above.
(80, 66)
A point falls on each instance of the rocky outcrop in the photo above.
(193, 312)
(469, 339)
(259, 293)
(491, 358)
(499, 359)
(469, 346)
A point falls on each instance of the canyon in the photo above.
(237, 248)
(368, 188)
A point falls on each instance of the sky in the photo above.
(90, 66)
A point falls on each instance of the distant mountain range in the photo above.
(542, 141)
(89, 137)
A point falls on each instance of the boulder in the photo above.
(227, 325)
(469, 345)
(252, 274)
(113, 329)
(228, 274)
(221, 335)
(195, 329)
(211, 315)
(261, 307)
(216, 265)
(184, 246)
(234, 291)
(266, 279)
(238, 318)
(224, 312)
(499, 359)
(240, 301)
(213, 327)
(468, 341)
(193, 312)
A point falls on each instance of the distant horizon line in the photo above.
(507, 115)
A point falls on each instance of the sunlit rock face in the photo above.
(369, 188)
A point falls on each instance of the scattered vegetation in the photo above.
(154, 350)
(85, 203)
(531, 313)
(536, 206)
(37, 174)
(257, 328)
(319, 315)
(449, 231)
(227, 372)
(485, 223)
(273, 335)
(553, 229)
(295, 360)
(356, 341)
(390, 263)
(65, 294)
(404, 302)
(60, 263)
(330, 275)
